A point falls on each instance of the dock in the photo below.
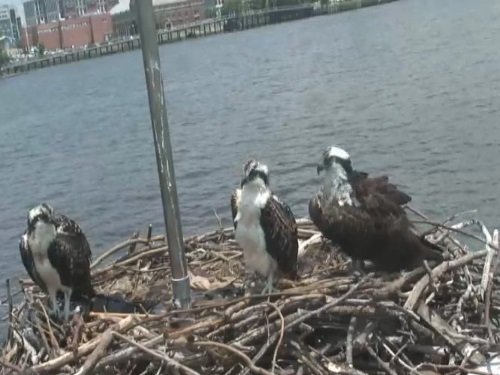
(204, 28)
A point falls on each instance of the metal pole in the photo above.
(157, 106)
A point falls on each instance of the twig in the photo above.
(384, 365)
(98, 353)
(419, 287)
(82, 350)
(170, 361)
(120, 246)
(489, 288)
(53, 340)
(282, 333)
(454, 229)
(127, 353)
(11, 366)
(236, 352)
(395, 356)
(350, 334)
(11, 307)
(328, 305)
(489, 258)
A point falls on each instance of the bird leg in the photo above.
(53, 303)
(67, 296)
(247, 282)
(269, 285)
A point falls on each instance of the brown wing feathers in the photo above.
(379, 230)
(280, 230)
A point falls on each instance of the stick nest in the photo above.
(436, 319)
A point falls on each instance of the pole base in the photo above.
(181, 289)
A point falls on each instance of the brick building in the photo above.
(168, 14)
(71, 33)
(44, 11)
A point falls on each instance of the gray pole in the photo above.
(157, 107)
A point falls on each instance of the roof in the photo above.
(122, 6)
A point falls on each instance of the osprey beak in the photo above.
(319, 168)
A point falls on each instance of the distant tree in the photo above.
(231, 6)
(284, 3)
(4, 57)
(41, 49)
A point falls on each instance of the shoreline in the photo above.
(205, 28)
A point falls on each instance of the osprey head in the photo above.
(256, 173)
(42, 213)
(250, 164)
(334, 156)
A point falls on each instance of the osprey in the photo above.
(57, 256)
(265, 227)
(236, 196)
(364, 216)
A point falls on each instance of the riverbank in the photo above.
(202, 29)
(327, 321)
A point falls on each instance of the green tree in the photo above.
(4, 57)
(231, 6)
(41, 49)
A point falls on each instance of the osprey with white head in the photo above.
(363, 215)
(266, 230)
(56, 255)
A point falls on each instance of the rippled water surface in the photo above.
(411, 88)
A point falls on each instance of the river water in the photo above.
(410, 88)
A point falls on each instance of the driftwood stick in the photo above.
(419, 287)
(53, 340)
(11, 307)
(237, 353)
(489, 288)
(86, 348)
(329, 305)
(170, 361)
(489, 258)
(455, 229)
(135, 258)
(349, 339)
(11, 366)
(120, 246)
(127, 353)
(382, 364)
(447, 332)
(26, 345)
(100, 350)
(261, 352)
(282, 333)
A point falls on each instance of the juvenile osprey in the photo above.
(236, 196)
(56, 255)
(364, 216)
(266, 229)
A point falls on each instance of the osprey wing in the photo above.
(235, 201)
(280, 231)
(29, 264)
(70, 254)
